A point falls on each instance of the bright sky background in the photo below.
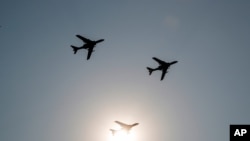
(49, 94)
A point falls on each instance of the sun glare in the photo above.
(123, 136)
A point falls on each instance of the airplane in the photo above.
(126, 127)
(89, 45)
(163, 67)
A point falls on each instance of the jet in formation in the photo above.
(88, 44)
(163, 67)
(124, 127)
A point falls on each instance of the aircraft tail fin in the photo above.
(113, 131)
(150, 70)
(75, 49)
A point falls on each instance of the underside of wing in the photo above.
(159, 61)
(120, 123)
(164, 71)
(84, 39)
(90, 50)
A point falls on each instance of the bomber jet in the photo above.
(125, 127)
(89, 45)
(163, 67)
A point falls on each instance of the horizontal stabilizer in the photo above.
(150, 70)
(75, 49)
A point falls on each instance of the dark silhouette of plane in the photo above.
(163, 67)
(125, 127)
(89, 45)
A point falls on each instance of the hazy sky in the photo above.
(49, 94)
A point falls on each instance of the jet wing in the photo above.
(84, 39)
(90, 50)
(159, 61)
(164, 71)
(121, 124)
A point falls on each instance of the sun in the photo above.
(123, 136)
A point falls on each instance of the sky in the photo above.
(49, 94)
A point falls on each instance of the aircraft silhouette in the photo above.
(89, 45)
(125, 127)
(163, 67)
